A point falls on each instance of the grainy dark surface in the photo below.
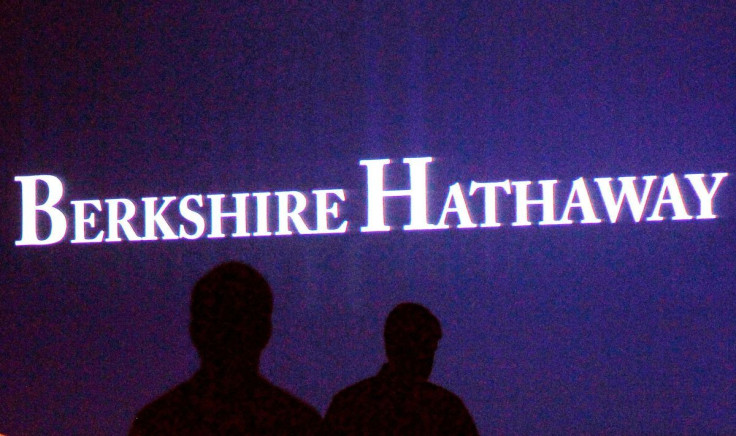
(622, 328)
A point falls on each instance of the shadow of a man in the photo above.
(230, 326)
(400, 400)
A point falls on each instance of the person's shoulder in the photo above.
(438, 394)
(357, 390)
(438, 390)
(346, 407)
(451, 407)
(164, 410)
(279, 399)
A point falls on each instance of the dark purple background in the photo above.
(608, 328)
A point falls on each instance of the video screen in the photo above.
(554, 182)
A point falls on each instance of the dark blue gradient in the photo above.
(624, 328)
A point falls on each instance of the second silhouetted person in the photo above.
(399, 399)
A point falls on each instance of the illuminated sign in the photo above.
(196, 215)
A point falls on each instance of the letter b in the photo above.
(29, 231)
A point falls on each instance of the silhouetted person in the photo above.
(400, 400)
(230, 326)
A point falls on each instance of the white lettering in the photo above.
(114, 220)
(547, 201)
(417, 193)
(29, 210)
(191, 216)
(670, 188)
(153, 218)
(580, 190)
(80, 220)
(217, 215)
(323, 210)
(262, 213)
(627, 193)
(704, 195)
(294, 215)
(489, 199)
(455, 195)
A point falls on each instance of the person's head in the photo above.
(411, 335)
(231, 314)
